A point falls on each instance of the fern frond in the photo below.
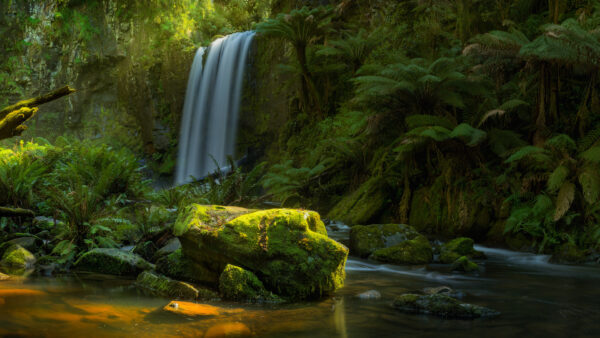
(557, 178)
(565, 198)
(589, 179)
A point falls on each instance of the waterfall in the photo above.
(210, 111)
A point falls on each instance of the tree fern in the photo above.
(469, 135)
(557, 178)
(589, 179)
(565, 198)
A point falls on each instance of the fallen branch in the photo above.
(12, 125)
(36, 101)
(16, 212)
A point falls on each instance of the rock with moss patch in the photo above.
(287, 249)
(180, 267)
(366, 239)
(458, 247)
(112, 262)
(17, 257)
(363, 205)
(414, 251)
(166, 287)
(440, 305)
(238, 284)
(171, 246)
(568, 253)
(463, 264)
(28, 242)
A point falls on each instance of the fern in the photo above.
(503, 142)
(589, 179)
(421, 120)
(469, 135)
(557, 178)
(565, 198)
(523, 153)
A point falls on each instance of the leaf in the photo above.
(557, 178)
(471, 136)
(590, 184)
(564, 200)
(524, 152)
(591, 155)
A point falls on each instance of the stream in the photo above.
(535, 298)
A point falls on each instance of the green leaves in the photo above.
(565, 198)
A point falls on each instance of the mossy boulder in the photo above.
(458, 247)
(28, 242)
(166, 287)
(180, 267)
(287, 249)
(363, 205)
(238, 284)
(17, 257)
(463, 264)
(366, 239)
(440, 305)
(413, 251)
(112, 262)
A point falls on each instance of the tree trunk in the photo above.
(16, 212)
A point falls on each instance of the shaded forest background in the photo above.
(468, 117)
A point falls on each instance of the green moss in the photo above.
(167, 287)
(414, 251)
(113, 262)
(365, 239)
(454, 249)
(196, 214)
(17, 257)
(568, 253)
(238, 284)
(363, 205)
(279, 246)
(440, 305)
(464, 264)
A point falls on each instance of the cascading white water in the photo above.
(210, 111)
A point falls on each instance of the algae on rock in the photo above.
(366, 239)
(177, 265)
(17, 257)
(238, 284)
(167, 287)
(413, 251)
(287, 249)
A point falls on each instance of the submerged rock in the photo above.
(458, 247)
(440, 305)
(4, 277)
(177, 265)
(234, 329)
(287, 249)
(238, 284)
(112, 262)
(198, 310)
(414, 251)
(17, 257)
(463, 264)
(369, 295)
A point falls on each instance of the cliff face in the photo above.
(129, 64)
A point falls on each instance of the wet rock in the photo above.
(112, 262)
(180, 267)
(287, 249)
(234, 329)
(458, 247)
(366, 239)
(414, 251)
(189, 309)
(166, 287)
(238, 284)
(369, 295)
(28, 242)
(17, 257)
(171, 246)
(440, 305)
(463, 264)
(4, 277)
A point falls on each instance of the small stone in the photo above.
(440, 305)
(238, 284)
(167, 287)
(463, 264)
(189, 309)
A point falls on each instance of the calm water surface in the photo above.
(536, 299)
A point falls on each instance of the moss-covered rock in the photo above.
(456, 248)
(180, 267)
(17, 257)
(413, 251)
(440, 305)
(171, 246)
(363, 205)
(112, 262)
(145, 250)
(366, 239)
(287, 249)
(166, 287)
(238, 284)
(463, 264)
(28, 242)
